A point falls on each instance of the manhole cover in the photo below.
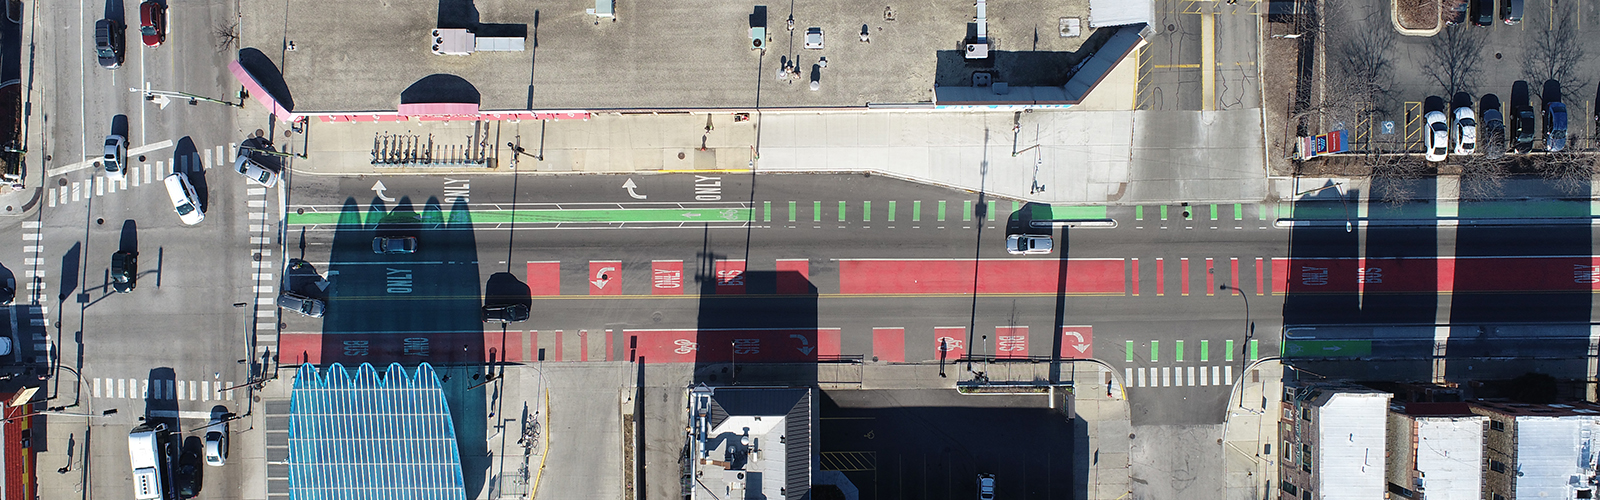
(62, 181)
(141, 157)
(680, 156)
(256, 257)
(1172, 28)
(260, 132)
(300, 211)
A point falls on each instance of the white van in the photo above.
(184, 201)
(149, 450)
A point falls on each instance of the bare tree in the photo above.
(1570, 171)
(1393, 176)
(227, 34)
(1483, 177)
(1359, 73)
(1452, 58)
(1554, 54)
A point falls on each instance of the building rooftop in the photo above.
(1450, 456)
(655, 55)
(751, 443)
(371, 435)
(1351, 433)
(1555, 455)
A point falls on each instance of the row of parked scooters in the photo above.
(1461, 133)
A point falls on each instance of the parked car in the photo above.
(394, 245)
(1482, 12)
(1456, 14)
(1493, 133)
(115, 159)
(187, 476)
(1436, 135)
(109, 42)
(124, 271)
(217, 440)
(985, 486)
(184, 200)
(1028, 244)
(505, 313)
(1465, 131)
(153, 22)
(1511, 12)
(1555, 126)
(256, 172)
(302, 304)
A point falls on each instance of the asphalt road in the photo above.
(168, 349)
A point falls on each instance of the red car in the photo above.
(153, 22)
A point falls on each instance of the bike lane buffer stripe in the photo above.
(1077, 342)
(666, 277)
(605, 277)
(949, 343)
(931, 276)
(730, 277)
(544, 278)
(828, 342)
(794, 277)
(1011, 342)
(889, 344)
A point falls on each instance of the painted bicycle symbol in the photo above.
(685, 346)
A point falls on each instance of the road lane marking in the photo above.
(1211, 284)
(1178, 351)
(1227, 350)
(891, 210)
(1134, 281)
(1161, 277)
(1127, 347)
(791, 211)
(1184, 276)
(1205, 351)
(1155, 351)
(816, 211)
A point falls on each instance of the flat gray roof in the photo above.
(361, 55)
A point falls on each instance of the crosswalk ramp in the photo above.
(163, 389)
(1178, 376)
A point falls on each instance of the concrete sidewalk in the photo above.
(1251, 425)
(1076, 156)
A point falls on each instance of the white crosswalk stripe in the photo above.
(179, 390)
(1178, 376)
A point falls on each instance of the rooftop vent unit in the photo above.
(460, 42)
(979, 48)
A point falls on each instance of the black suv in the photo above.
(124, 271)
(110, 42)
(505, 313)
(187, 475)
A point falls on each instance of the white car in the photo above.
(1465, 131)
(115, 160)
(254, 171)
(217, 440)
(184, 201)
(1436, 136)
(1029, 244)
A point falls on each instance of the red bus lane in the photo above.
(722, 346)
(1434, 275)
(404, 348)
(955, 276)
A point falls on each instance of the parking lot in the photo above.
(1554, 41)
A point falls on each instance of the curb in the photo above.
(1394, 20)
(1439, 222)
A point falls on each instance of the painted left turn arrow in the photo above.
(377, 187)
(630, 186)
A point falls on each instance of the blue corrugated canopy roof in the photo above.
(371, 437)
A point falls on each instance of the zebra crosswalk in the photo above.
(1178, 376)
(163, 389)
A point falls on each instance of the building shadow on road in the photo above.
(412, 308)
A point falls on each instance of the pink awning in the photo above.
(259, 92)
(439, 108)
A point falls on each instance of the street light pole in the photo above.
(1249, 326)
